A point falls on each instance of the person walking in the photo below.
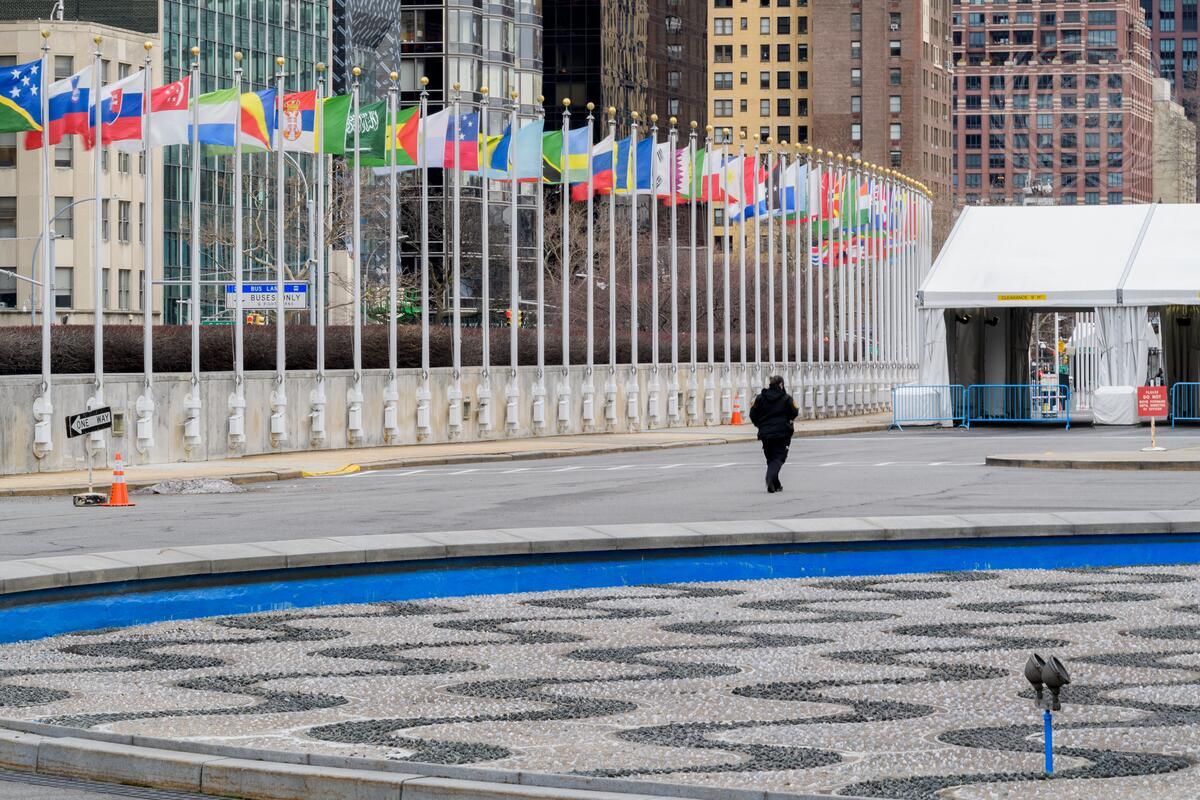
(772, 413)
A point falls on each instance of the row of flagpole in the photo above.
(863, 317)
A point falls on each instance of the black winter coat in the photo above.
(772, 413)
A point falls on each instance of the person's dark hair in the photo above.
(776, 382)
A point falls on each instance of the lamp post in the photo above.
(1051, 674)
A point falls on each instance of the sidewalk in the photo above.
(1176, 459)
(289, 466)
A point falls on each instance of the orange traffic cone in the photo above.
(119, 496)
(736, 419)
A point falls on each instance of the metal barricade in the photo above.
(1185, 402)
(917, 403)
(1018, 402)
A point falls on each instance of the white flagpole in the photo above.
(191, 428)
(423, 394)
(391, 393)
(539, 385)
(726, 413)
(279, 432)
(483, 394)
(317, 396)
(512, 392)
(145, 401)
(783, 258)
(758, 277)
(454, 394)
(564, 386)
(237, 400)
(710, 380)
(843, 184)
(696, 181)
(823, 173)
(589, 388)
(96, 438)
(653, 379)
(43, 407)
(610, 389)
(803, 257)
(772, 354)
(673, 394)
(632, 388)
(354, 395)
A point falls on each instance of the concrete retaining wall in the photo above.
(823, 389)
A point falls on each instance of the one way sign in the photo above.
(95, 420)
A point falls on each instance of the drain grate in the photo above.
(110, 789)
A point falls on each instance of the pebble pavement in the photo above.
(903, 686)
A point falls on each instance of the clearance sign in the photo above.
(1020, 298)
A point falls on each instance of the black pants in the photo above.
(776, 452)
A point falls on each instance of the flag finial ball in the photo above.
(424, 80)
(541, 99)
(770, 140)
(654, 119)
(457, 86)
(280, 61)
(237, 56)
(45, 33)
(674, 121)
(195, 52)
(483, 90)
(513, 94)
(566, 102)
(708, 129)
(320, 66)
(357, 71)
(591, 106)
(634, 115)
(695, 124)
(394, 75)
(148, 45)
(98, 39)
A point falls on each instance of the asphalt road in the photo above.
(910, 472)
(18, 786)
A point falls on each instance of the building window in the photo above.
(894, 21)
(722, 80)
(856, 104)
(764, 52)
(783, 53)
(674, 79)
(783, 79)
(723, 108)
(894, 76)
(64, 221)
(141, 223)
(1115, 198)
(783, 107)
(894, 104)
(764, 26)
(894, 131)
(723, 26)
(856, 50)
(723, 53)
(8, 287)
(744, 79)
(123, 221)
(722, 135)
(855, 76)
(64, 287)
(64, 67)
(894, 158)
(764, 80)
(8, 217)
(856, 132)
(123, 163)
(63, 154)
(764, 108)
(894, 48)
(104, 219)
(802, 79)
(744, 105)
(856, 22)
(104, 284)
(8, 150)
(123, 289)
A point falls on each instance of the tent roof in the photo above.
(1166, 268)
(1050, 256)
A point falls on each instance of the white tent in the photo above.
(1116, 259)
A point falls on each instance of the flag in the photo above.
(487, 150)
(331, 137)
(643, 160)
(526, 152)
(666, 169)
(467, 151)
(298, 120)
(219, 112)
(602, 171)
(170, 119)
(552, 156)
(376, 137)
(68, 106)
(20, 97)
(434, 129)
(578, 142)
(121, 107)
(403, 135)
(793, 205)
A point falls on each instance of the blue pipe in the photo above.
(1048, 736)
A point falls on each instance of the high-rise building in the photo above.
(760, 71)
(1174, 148)
(1054, 99)
(882, 88)
(637, 55)
(122, 209)
(1173, 49)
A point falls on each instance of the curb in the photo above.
(263, 476)
(1095, 464)
(56, 572)
(256, 774)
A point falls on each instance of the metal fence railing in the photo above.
(1185, 402)
(921, 404)
(1018, 402)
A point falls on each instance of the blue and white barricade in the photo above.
(1024, 403)
(928, 404)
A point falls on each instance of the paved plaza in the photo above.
(899, 686)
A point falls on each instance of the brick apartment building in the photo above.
(1173, 50)
(1054, 97)
(870, 79)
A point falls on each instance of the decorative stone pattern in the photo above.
(895, 686)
